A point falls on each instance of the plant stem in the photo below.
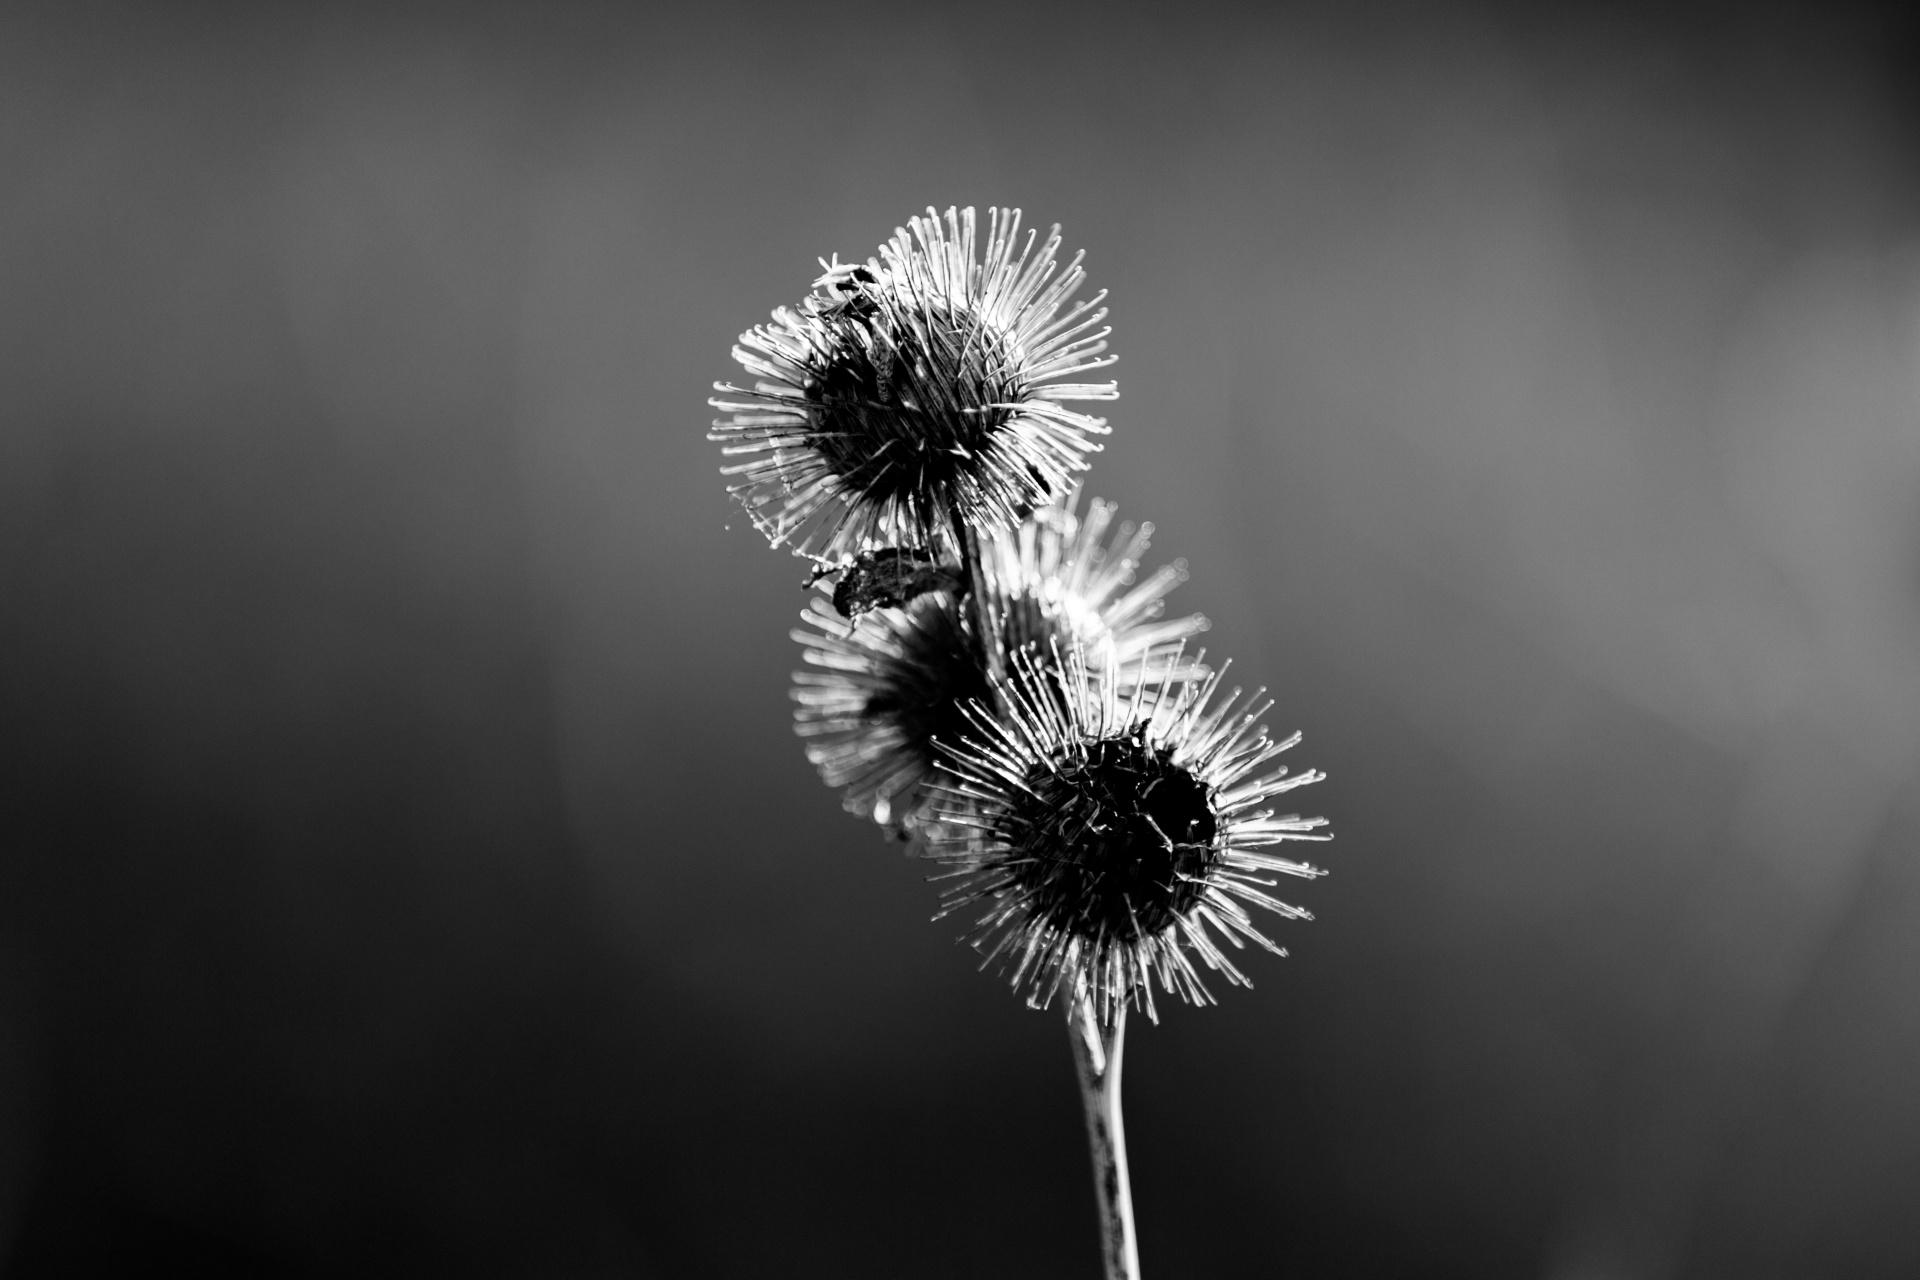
(1096, 1060)
(985, 632)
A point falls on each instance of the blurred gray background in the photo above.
(409, 868)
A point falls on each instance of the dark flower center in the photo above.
(939, 671)
(900, 411)
(1115, 843)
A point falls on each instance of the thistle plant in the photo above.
(990, 681)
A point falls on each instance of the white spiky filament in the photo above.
(972, 430)
(1057, 715)
(1066, 570)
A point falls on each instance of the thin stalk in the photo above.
(985, 633)
(1096, 1060)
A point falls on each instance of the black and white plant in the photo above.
(989, 680)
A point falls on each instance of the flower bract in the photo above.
(918, 394)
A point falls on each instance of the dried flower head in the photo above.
(917, 393)
(893, 681)
(1062, 580)
(1112, 828)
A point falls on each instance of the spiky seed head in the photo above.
(1111, 831)
(917, 393)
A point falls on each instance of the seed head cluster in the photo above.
(992, 680)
